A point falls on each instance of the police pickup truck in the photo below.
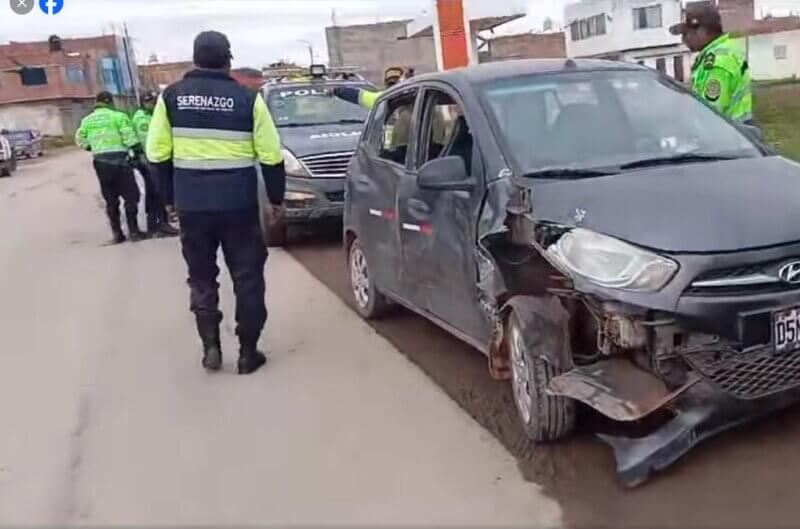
(319, 134)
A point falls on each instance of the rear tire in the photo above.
(6, 170)
(370, 302)
(543, 417)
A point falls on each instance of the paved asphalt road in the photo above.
(107, 417)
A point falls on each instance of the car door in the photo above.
(438, 227)
(382, 161)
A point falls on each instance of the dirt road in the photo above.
(743, 479)
(107, 417)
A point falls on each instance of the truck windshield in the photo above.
(610, 120)
(312, 105)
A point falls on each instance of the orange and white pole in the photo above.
(452, 35)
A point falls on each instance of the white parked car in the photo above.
(8, 162)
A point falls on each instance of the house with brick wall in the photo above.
(527, 46)
(51, 85)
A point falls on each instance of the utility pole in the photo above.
(126, 42)
(310, 50)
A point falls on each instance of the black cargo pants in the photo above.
(117, 181)
(239, 234)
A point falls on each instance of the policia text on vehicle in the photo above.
(205, 138)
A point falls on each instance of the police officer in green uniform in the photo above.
(207, 135)
(109, 135)
(367, 98)
(720, 74)
(157, 220)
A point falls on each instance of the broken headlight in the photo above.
(293, 165)
(610, 262)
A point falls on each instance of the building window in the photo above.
(588, 27)
(781, 53)
(677, 65)
(33, 76)
(661, 65)
(75, 75)
(647, 17)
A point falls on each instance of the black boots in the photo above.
(250, 358)
(212, 349)
(166, 229)
(133, 227)
(159, 227)
(116, 229)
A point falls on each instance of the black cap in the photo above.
(105, 97)
(698, 15)
(212, 49)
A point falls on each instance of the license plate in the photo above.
(786, 329)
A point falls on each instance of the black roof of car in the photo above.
(507, 69)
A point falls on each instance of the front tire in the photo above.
(369, 301)
(543, 417)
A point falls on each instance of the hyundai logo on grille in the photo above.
(790, 272)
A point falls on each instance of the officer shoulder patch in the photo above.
(713, 90)
(710, 60)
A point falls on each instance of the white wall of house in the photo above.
(621, 30)
(51, 118)
(774, 56)
(675, 61)
(46, 117)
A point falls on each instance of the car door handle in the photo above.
(418, 208)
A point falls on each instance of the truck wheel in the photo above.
(543, 417)
(277, 235)
(6, 170)
(370, 302)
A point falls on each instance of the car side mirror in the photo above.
(448, 173)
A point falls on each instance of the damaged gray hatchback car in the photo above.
(599, 233)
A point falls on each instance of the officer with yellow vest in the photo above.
(108, 134)
(720, 74)
(157, 219)
(367, 98)
(207, 135)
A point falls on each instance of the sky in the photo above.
(261, 31)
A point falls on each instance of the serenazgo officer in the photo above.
(207, 135)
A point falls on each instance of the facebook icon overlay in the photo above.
(51, 7)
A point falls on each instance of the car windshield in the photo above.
(587, 124)
(311, 105)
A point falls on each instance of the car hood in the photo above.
(697, 208)
(319, 139)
